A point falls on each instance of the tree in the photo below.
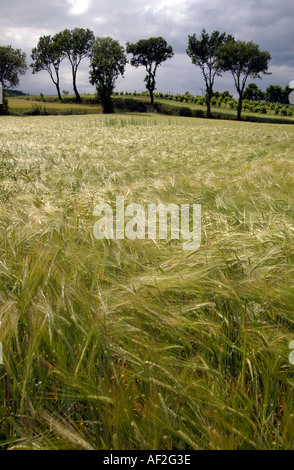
(76, 45)
(253, 93)
(48, 56)
(276, 94)
(286, 92)
(150, 53)
(12, 65)
(3, 101)
(202, 52)
(243, 60)
(107, 62)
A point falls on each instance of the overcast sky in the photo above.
(269, 23)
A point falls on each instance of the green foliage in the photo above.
(4, 109)
(150, 53)
(253, 93)
(76, 44)
(48, 55)
(130, 105)
(187, 112)
(283, 111)
(107, 62)
(12, 65)
(276, 94)
(203, 54)
(10, 92)
(132, 344)
(232, 104)
(243, 60)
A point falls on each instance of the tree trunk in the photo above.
(58, 91)
(151, 97)
(208, 112)
(208, 96)
(56, 82)
(1, 99)
(74, 80)
(239, 109)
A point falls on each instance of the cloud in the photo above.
(266, 22)
(78, 7)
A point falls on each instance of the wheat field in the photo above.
(138, 344)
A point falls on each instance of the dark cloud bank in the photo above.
(266, 22)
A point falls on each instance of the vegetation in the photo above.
(48, 56)
(243, 60)
(76, 44)
(203, 53)
(138, 344)
(214, 54)
(253, 93)
(150, 53)
(132, 344)
(108, 61)
(4, 109)
(12, 65)
(275, 94)
(223, 106)
(46, 106)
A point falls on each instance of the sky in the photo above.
(269, 23)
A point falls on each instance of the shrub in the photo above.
(130, 104)
(283, 111)
(199, 113)
(200, 100)
(184, 111)
(4, 110)
(232, 104)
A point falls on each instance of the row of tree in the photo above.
(273, 94)
(107, 59)
(213, 54)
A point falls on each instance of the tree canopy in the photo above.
(76, 44)
(276, 94)
(12, 65)
(202, 52)
(107, 62)
(243, 59)
(48, 56)
(253, 93)
(150, 53)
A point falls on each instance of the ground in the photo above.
(139, 344)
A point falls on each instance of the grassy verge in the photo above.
(35, 105)
(25, 107)
(138, 344)
(162, 106)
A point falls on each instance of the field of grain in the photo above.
(18, 106)
(138, 344)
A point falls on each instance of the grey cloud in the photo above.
(266, 22)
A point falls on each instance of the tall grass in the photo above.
(121, 344)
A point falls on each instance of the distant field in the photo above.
(138, 344)
(34, 105)
(18, 105)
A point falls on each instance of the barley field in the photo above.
(139, 344)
